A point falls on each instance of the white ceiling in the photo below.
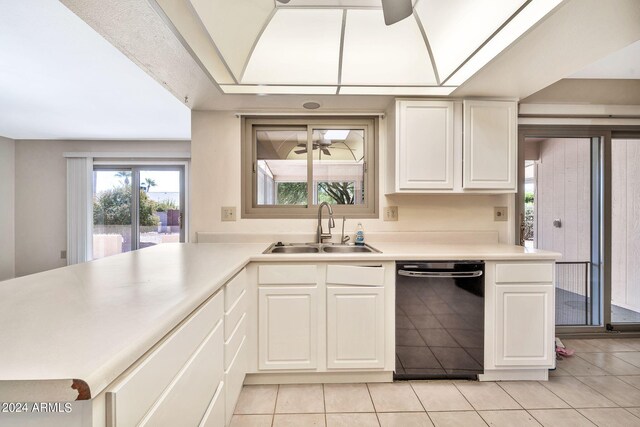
(61, 79)
(344, 47)
(623, 64)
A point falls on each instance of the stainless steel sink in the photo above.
(292, 250)
(347, 249)
(315, 248)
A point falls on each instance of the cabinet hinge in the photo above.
(254, 167)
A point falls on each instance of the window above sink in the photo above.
(292, 165)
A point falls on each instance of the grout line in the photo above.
(463, 395)
(627, 409)
(324, 405)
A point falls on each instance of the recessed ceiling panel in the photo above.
(521, 23)
(376, 54)
(456, 28)
(234, 26)
(299, 46)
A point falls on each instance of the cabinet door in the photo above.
(355, 327)
(288, 327)
(525, 325)
(490, 145)
(424, 144)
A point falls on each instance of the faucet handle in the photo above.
(332, 223)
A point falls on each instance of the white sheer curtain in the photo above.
(79, 209)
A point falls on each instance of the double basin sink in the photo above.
(317, 248)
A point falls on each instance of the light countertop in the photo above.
(92, 321)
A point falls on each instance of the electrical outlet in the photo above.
(500, 213)
(391, 213)
(228, 213)
(63, 254)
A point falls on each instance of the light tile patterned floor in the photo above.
(600, 386)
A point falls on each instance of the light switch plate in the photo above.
(228, 213)
(500, 213)
(391, 213)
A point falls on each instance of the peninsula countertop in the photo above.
(89, 322)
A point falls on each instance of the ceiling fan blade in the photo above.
(396, 10)
(283, 1)
(326, 151)
(301, 145)
(300, 151)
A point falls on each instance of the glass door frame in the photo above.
(606, 134)
(600, 255)
(135, 169)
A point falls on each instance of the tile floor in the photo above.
(600, 386)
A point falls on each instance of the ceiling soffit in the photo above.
(343, 46)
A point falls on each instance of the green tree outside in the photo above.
(113, 207)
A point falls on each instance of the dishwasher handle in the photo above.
(441, 274)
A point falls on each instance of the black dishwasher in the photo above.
(439, 319)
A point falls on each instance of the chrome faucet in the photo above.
(344, 239)
(321, 236)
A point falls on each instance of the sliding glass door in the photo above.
(559, 210)
(625, 231)
(579, 194)
(125, 219)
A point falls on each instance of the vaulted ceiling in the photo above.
(344, 47)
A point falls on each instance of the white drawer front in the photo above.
(234, 378)
(131, 398)
(234, 314)
(232, 344)
(287, 274)
(185, 401)
(234, 288)
(355, 275)
(526, 272)
(214, 416)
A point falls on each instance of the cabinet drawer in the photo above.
(355, 275)
(214, 416)
(234, 314)
(287, 274)
(234, 289)
(234, 378)
(186, 399)
(131, 397)
(526, 272)
(232, 344)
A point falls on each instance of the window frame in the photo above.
(250, 125)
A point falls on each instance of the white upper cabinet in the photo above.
(490, 145)
(424, 146)
(450, 147)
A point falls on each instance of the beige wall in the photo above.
(41, 198)
(7, 211)
(215, 178)
(564, 192)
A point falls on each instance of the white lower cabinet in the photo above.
(355, 327)
(519, 320)
(329, 317)
(288, 327)
(195, 375)
(525, 327)
(215, 414)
